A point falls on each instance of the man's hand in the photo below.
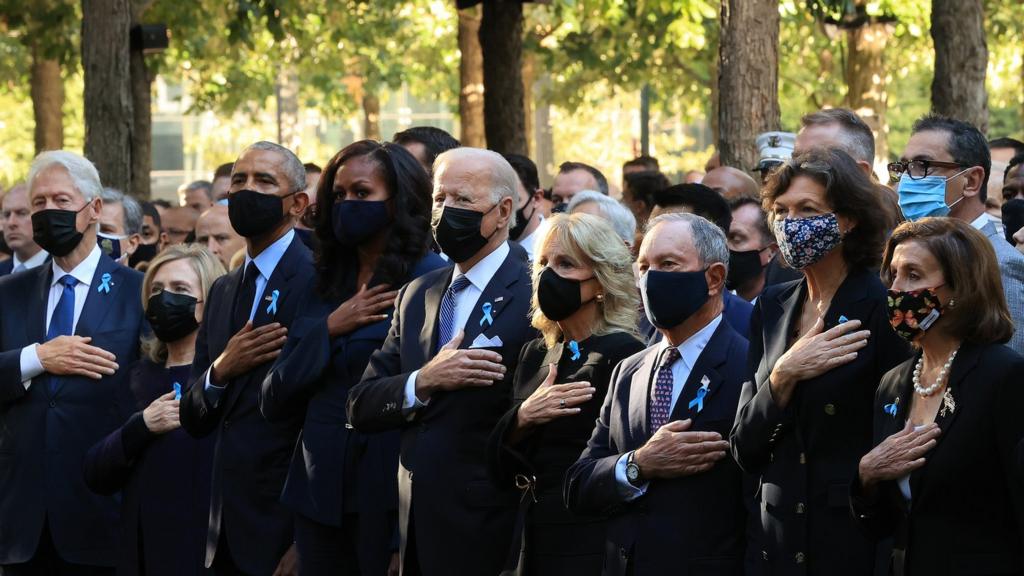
(673, 451)
(364, 308)
(289, 564)
(161, 416)
(452, 369)
(73, 356)
(247, 349)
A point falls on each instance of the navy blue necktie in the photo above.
(446, 329)
(62, 322)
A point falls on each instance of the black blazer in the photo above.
(462, 520)
(686, 526)
(807, 455)
(44, 436)
(251, 455)
(164, 482)
(557, 539)
(966, 514)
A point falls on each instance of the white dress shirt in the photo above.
(689, 351)
(529, 242)
(36, 260)
(980, 221)
(31, 366)
(479, 276)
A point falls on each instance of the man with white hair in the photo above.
(444, 374)
(594, 203)
(68, 332)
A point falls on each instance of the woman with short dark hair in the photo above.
(944, 479)
(818, 347)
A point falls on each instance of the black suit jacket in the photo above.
(6, 266)
(966, 514)
(251, 455)
(807, 455)
(686, 526)
(44, 436)
(462, 520)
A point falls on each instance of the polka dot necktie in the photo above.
(661, 399)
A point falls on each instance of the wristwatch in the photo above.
(632, 470)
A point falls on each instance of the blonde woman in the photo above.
(584, 304)
(156, 466)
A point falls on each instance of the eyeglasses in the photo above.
(918, 169)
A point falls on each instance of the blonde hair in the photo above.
(206, 266)
(589, 240)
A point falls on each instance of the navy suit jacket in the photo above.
(251, 455)
(688, 526)
(457, 507)
(6, 266)
(44, 436)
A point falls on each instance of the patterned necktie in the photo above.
(446, 330)
(62, 322)
(661, 399)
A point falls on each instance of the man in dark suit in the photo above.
(657, 462)
(244, 327)
(68, 330)
(445, 372)
(17, 229)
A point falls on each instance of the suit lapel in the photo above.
(713, 356)
(497, 293)
(280, 280)
(902, 399)
(98, 303)
(35, 327)
(432, 308)
(777, 340)
(639, 392)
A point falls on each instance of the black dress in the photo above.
(164, 480)
(549, 538)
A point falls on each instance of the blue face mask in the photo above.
(925, 197)
(354, 221)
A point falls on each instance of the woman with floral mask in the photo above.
(584, 304)
(947, 429)
(818, 347)
(162, 473)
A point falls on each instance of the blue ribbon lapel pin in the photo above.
(487, 308)
(274, 296)
(698, 401)
(891, 409)
(177, 391)
(105, 283)
(574, 347)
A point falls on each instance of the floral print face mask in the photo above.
(804, 241)
(913, 312)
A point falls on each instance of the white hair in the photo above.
(293, 168)
(708, 238)
(621, 218)
(82, 172)
(503, 180)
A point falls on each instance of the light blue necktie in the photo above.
(446, 329)
(62, 322)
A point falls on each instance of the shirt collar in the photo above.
(980, 221)
(37, 259)
(690, 350)
(266, 261)
(84, 272)
(480, 274)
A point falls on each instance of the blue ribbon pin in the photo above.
(105, 284)
(272, 309)
(890, 409)
(843, 319)
(177, 391)
(574, 346)
(487, 307)
(699, 400)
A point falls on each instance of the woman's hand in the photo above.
(551, 401)
(814, 354)
(364, 308)
(897, 455)
(161, 416)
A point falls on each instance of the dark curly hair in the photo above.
(848, 192)
(408, 234)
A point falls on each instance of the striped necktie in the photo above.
(447, 329)
(661, 399)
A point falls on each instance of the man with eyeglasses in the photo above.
(944, 171)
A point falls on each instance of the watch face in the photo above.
(632, 472)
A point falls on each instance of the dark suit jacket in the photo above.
(807, 455)
(164, 480)
(686, 526)
(251, 455)
(44, 436)
(6, 267)
(335, 471)
(968, 495)
(462, 520)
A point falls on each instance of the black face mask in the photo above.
(143, 253)
(743, 267)
(458, 232)
(672, 297)
(253, 214)
(521, 221)
(558, 297)
(172, 316)
(56, 231)
(560, 207)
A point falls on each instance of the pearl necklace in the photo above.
(926, 392)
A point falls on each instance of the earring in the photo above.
(952, 303)
(599, 298)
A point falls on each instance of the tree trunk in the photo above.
(287, 92)
(529, 79)
(865, 80)
(961, 57)
(142, 128)
(371, 115)
(544, 141)
(106, 49)
(748, 78)
(501, 42)
(471, 80)
(47, 88)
